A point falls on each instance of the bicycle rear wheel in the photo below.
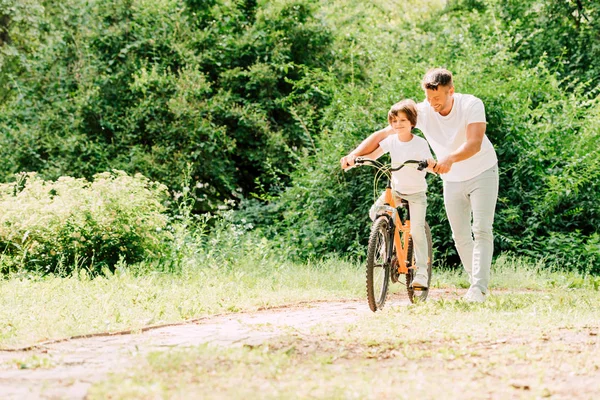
(378, 264)
(419, 295)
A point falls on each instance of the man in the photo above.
(454, 124)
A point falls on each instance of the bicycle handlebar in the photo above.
(420, 165)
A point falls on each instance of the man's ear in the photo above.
(451, 91)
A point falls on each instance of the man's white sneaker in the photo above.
(420, 282)
(474, 295)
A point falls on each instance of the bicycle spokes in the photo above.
(378, 266)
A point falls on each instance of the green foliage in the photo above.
(151, 86)
(544, 137)
(55, 226)
(566, 32)
(20, 22)
(262, 98)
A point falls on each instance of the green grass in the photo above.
(515, 273)
(535, 336)
(35, 309)
(516, 345)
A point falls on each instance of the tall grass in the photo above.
(226, 272)
(36, 308)
(515, 345)
(511, 272)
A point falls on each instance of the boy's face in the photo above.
(401, 124)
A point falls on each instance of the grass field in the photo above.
(536, 336)
(50, 307)
(36, 309)
(538, 340)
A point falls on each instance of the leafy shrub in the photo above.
(247, 92)
(151, 86)
(55, 226)
(545, 138)
(564, 32)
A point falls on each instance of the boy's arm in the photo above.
(374, 155)
(367, 146)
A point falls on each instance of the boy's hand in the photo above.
(347, 161)
(431, 164)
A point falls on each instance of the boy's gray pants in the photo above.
(417, 203)
(473, 201)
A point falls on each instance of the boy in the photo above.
(407, 183)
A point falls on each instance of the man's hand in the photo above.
(431, 164)
(443, 166)
(347, 161)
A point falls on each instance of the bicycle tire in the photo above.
(378, 264)
(419, 295)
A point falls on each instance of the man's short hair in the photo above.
(437, 77)
(408, 107)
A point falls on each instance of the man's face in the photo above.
(441, 99)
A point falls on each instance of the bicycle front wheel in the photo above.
(378, 264)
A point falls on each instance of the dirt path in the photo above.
(67, 369)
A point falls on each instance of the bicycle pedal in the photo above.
(419, 289)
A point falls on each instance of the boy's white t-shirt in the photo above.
(447, 133)
(407, 180)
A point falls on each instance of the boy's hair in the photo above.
(408, 107)
(437, 77)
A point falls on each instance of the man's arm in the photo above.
(375, 154)
(475, 134)
(367, 146)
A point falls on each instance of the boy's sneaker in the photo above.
(474, 295)
(420, 282)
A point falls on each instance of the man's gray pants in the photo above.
(473, 201)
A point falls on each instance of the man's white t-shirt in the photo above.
(407, 180)
(446, 134)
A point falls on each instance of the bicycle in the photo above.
(390, 250)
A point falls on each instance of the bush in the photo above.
(152, 86)
(545, 137)
(56, 226)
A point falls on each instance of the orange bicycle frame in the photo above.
(401, 248)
